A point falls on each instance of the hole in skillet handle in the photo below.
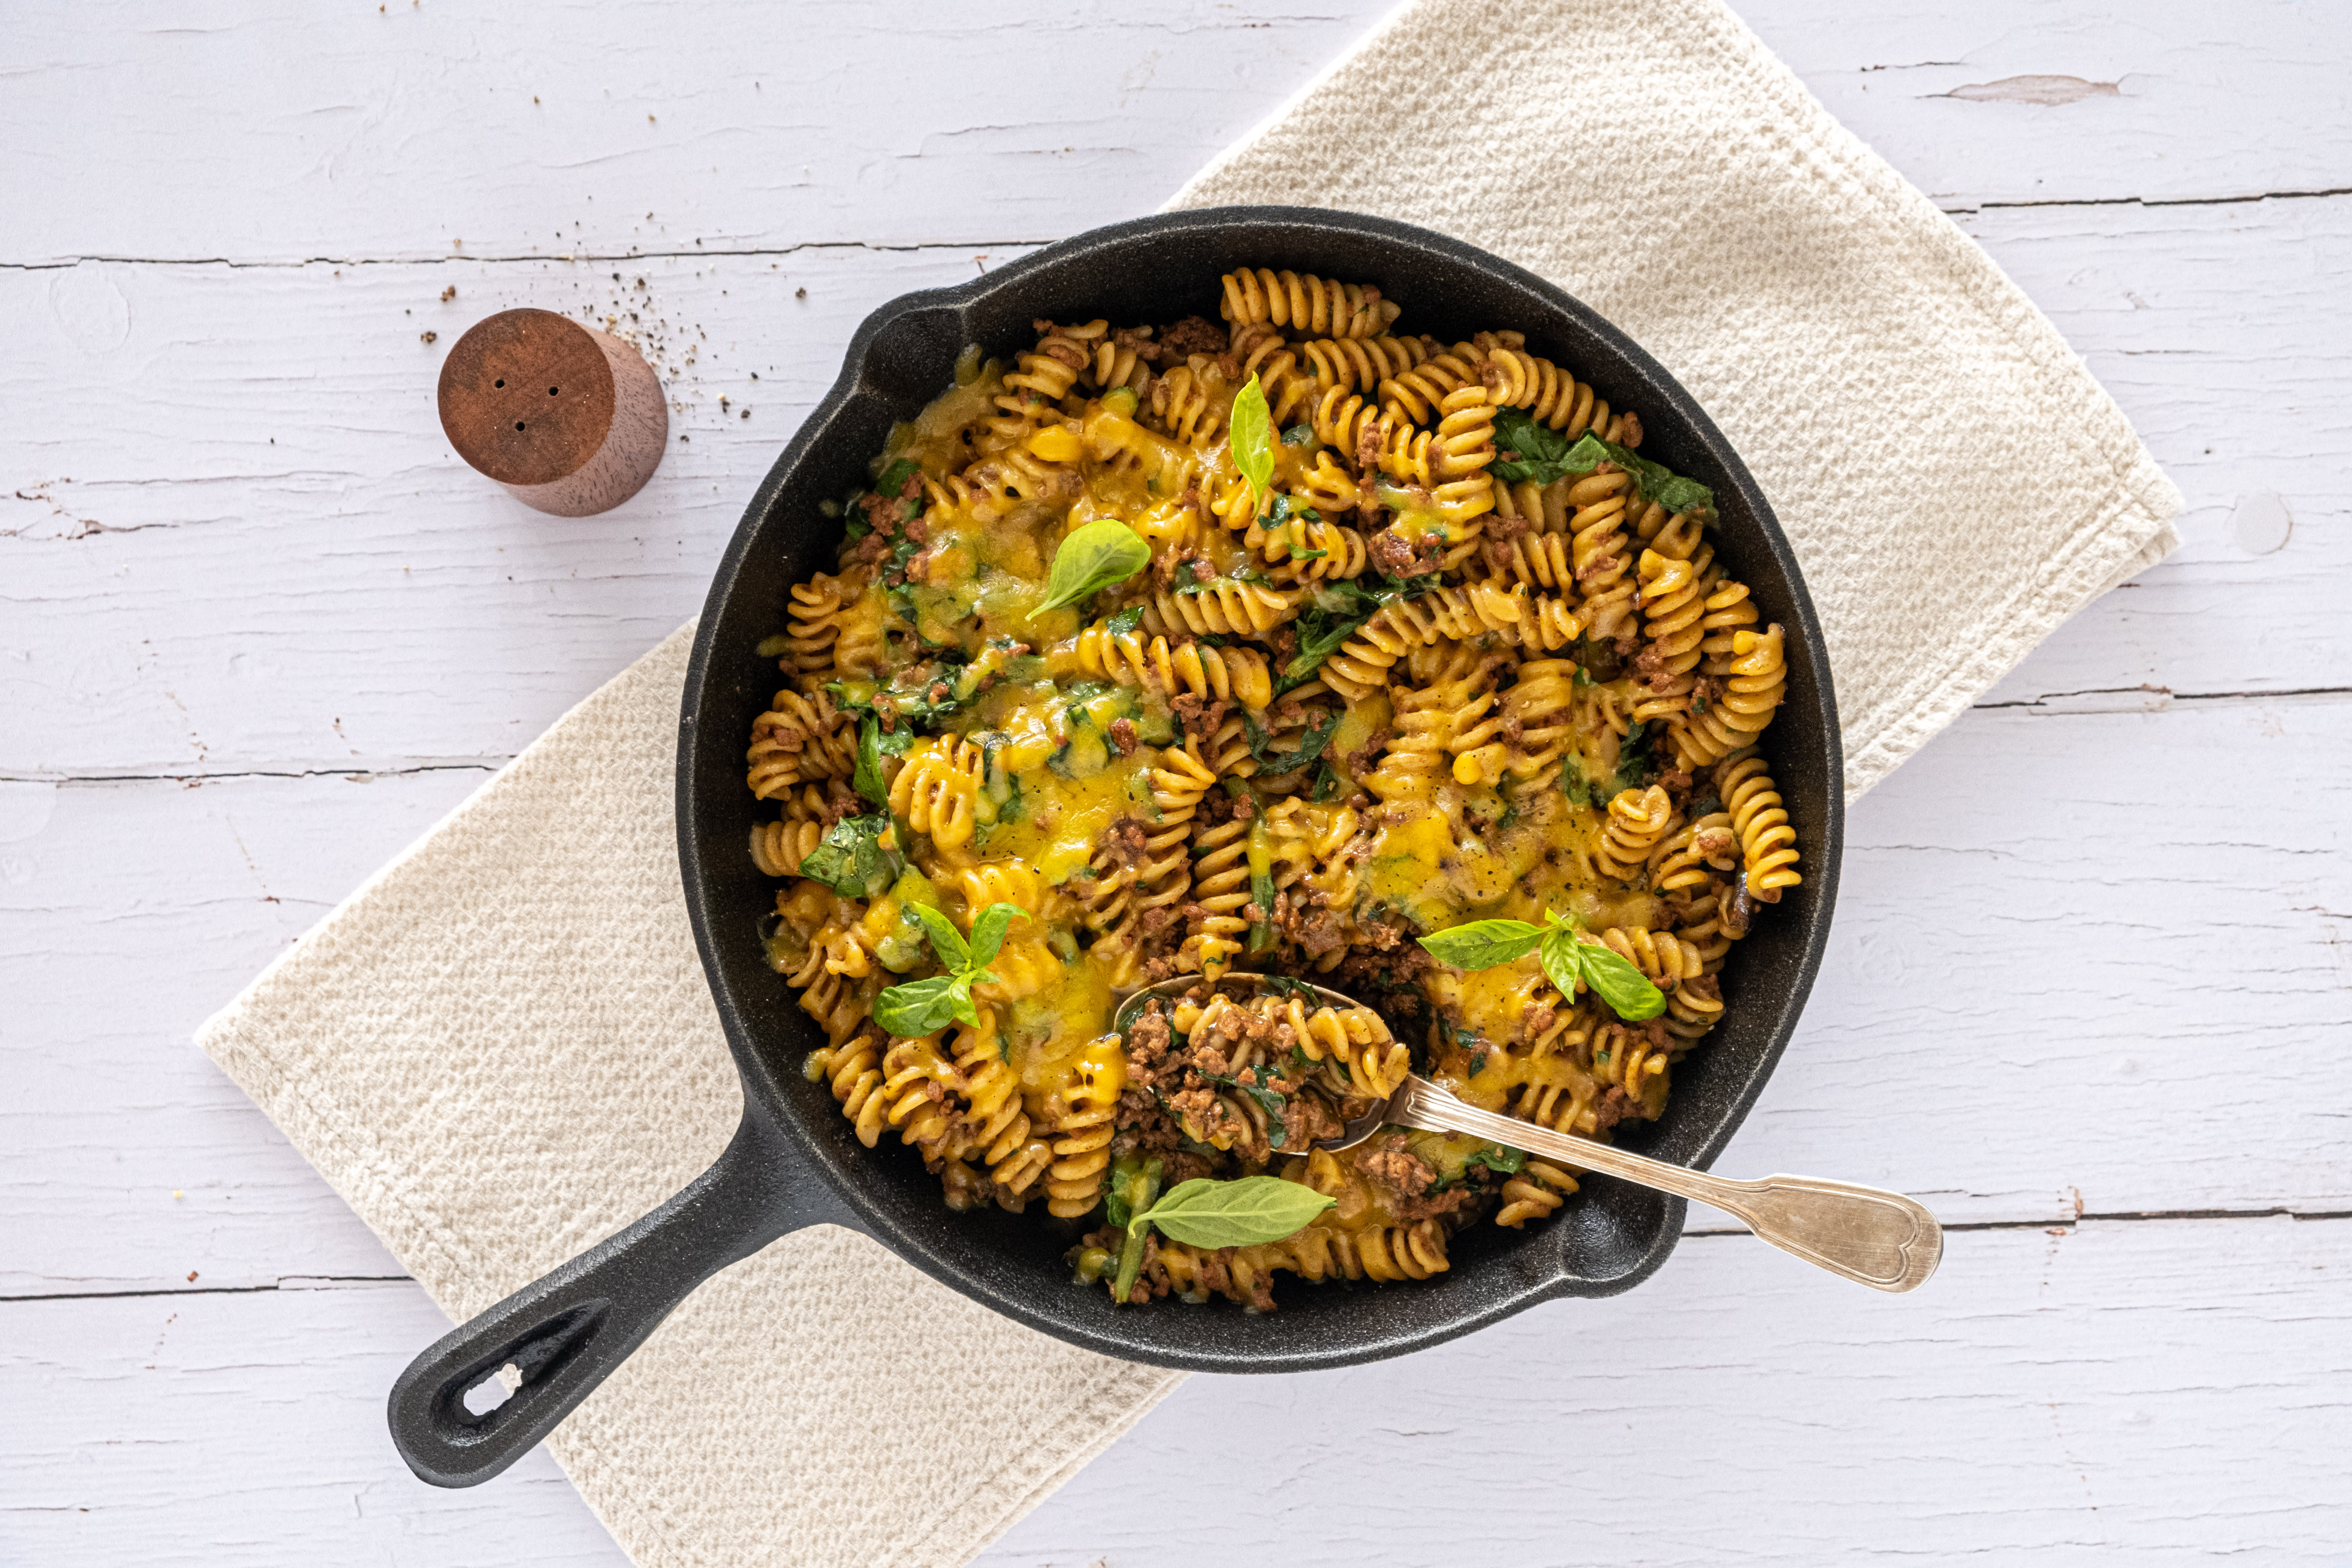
(566, 1333)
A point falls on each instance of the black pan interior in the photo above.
(1158, 271)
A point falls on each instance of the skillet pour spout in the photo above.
(794, 1161)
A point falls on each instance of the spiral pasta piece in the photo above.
(1227, 674)
(777, 848)
(1082, 1123)
(1638, 820)
(1306, 305)
(1223, 608)
(799, 738)
(1363, 662)
(1767, 845)
(1360, 364)
(936, 792)
(1756, 681)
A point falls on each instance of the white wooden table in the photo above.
(2091, 993)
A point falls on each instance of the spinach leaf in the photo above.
(1636, 768)
(1495, 1157)
(1310, 746)
(1540, 453)
(1540, 456)
(851, 859)
(893, 477)
(868, 779)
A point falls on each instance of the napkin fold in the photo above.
(502, 1049)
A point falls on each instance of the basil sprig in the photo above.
(1095, 556)
(1567, 960)
(1253, 437)
(1540, 456)
(927, 1007)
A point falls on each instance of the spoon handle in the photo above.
(1881, 1239)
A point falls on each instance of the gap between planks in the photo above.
(1956, 209)
(2053, 1225)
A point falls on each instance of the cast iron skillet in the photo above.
(793, 1161)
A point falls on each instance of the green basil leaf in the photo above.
(955, 956)
(988, 928)
(1246, 1213)
(1483, 944)
(868, 777)
(1616, 981)
(1126, 620)
(894, 742)
(1252, 435)
(1562, 963)
(1095, 557)
(922, 1007)
(1299, 436)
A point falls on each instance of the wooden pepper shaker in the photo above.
(568, 419)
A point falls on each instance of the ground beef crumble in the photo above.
(1399, 557)
(1192, 335)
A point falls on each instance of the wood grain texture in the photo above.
(2067, 1393)
(258, 629)
(250, 551)
(421, 131)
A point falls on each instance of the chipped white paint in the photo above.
(258, 629)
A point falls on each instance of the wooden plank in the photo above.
(2022, 102)
(352, 597)
(2065, 1390)
(2082, 1391)
(2166, 338)
(421, 132)
(128, 912)
(2053, 937)
(248, 1427)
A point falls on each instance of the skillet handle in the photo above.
(566, 1333)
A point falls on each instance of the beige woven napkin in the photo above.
(501, 1048)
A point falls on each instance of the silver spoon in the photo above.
(1881, 1239)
